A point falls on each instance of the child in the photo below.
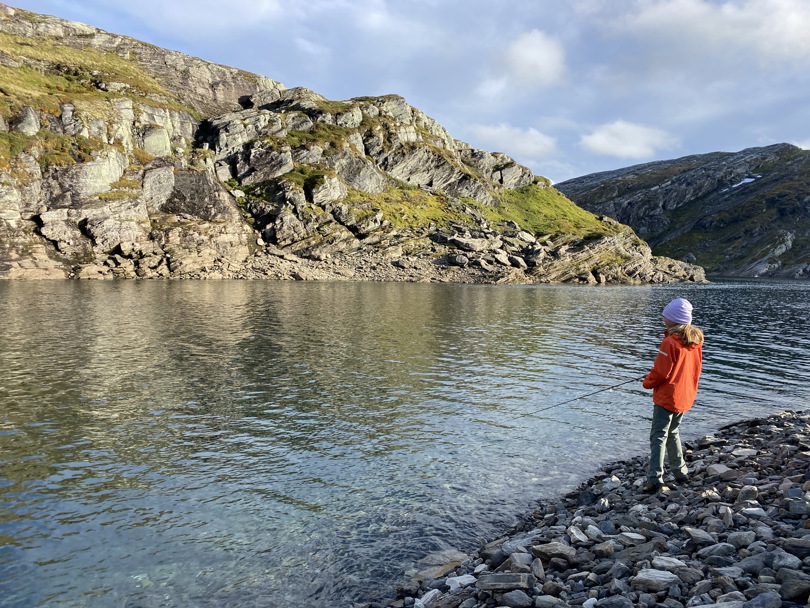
(674, 380)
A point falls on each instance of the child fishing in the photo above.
(674, 381)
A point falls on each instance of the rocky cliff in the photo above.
(741, 214)
(121, 159)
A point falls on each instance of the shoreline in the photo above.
(737, 534)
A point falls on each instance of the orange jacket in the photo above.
(675, 374)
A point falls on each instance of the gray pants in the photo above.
(664, 432)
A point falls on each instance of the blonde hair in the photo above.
(689, 334)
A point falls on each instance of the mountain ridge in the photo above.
(738, 214)
(119, 159)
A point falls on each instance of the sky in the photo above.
(565, 87)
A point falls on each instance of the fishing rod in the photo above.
(601, 390)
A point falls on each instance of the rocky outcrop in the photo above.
(460, 255)
(739, 214)
(205, 87)
(163, 165)
(737, 534)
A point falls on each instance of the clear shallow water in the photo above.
(302, 444)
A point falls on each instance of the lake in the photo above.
(188, 444)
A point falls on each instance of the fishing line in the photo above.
(601, 390)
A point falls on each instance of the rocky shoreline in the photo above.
(736, 535)
(252, 180)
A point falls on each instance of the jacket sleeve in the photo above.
(664, 362)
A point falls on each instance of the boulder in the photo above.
(26, 121)
(651, 580)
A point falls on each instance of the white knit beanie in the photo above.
(679, 311)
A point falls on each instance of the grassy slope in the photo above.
(537, 209)
(51, 74)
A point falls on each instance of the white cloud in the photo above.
(623, 139)
(762, 31)
(536, 59)
(514, 141)
(531, 61)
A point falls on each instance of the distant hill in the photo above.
(744, 214)
(119, 159)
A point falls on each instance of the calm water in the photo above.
(303, 444)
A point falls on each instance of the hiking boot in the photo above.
(651, 487)
(682, 479)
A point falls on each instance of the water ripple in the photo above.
(203, 444)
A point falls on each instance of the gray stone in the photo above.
(156, 141)
(785, 574)
(663, 562)
(752, 564)
(748, 493)
(26, 122)
(763, 531)
(782, 559)
(732, 572)
(690, 576)
(615, 601)
(799, 507)
(605, 549)
(554, 549)
(631, 538)
(698, 536)
(518, 262)
(741, 539)
(754, 513)
(800, 547)
(538, 572)
(517, 544)
(618, 587)
(795, 590)
(457, 582)
(517, 562)
(768, 599)
(516, 599)
(733, 596)
(505, 581)
(332, 189)
(429, 599)
(594, 533)
(650, 580)
(643, 551)
(578, 536)
(721, 471)
(618, 570)
(547, 601)
(472, 245)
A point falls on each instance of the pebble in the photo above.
(736, 534)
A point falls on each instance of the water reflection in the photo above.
(194, 444)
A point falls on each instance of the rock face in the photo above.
(739, 214)
(150, 163)
(733, 539)
(207, 88)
